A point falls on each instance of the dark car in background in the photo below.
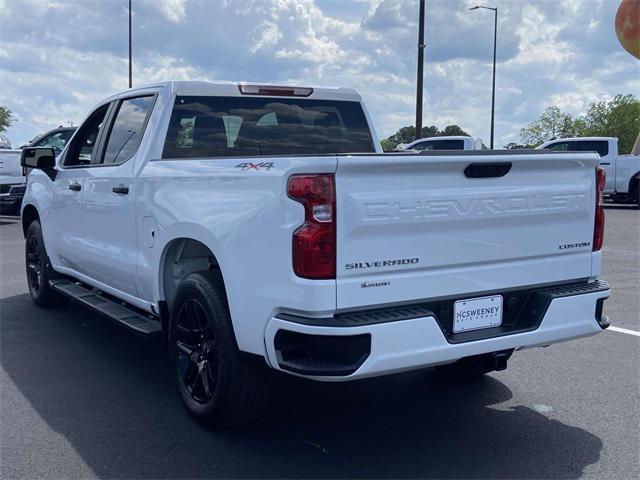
(13, 178)
(56, 138)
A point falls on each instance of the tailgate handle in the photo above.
(487, 170)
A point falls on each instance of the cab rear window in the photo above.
(207, 126)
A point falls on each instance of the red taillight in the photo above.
(314, 243)
(598, 227)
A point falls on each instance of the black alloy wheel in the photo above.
(219, 385)
(34, 265)
(197, 361)
(38, 270)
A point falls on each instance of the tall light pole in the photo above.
(419, 86)
(493, 88)
(130, 61)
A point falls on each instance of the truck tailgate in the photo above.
(413, 227)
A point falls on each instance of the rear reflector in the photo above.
(598, 227)
(314, 242)
(274, 90)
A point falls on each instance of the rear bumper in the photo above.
(322, 350)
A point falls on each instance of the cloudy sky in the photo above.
(59, 57)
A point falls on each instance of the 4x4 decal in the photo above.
(255, 166)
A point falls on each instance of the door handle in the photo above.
(75, 186)
(122, 189)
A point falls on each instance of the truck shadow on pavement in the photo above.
(111, 396)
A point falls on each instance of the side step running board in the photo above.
(129, 317)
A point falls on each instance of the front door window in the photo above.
(83, 149)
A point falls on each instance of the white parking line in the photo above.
(624, 330)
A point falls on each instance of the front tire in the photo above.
(38, 269)
(218, 384)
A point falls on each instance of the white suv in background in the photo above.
(457, 142)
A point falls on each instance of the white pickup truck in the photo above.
(12, 181)
(258, 226)
(622, 171)
(455, 142)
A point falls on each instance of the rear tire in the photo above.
(39, 269)
(634, 192)
(219, 385)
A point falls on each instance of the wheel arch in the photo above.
(634, 189)
(633, 182)
(180, 257)
(29, 214)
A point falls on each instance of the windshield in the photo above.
(252, 126)
(56, 140)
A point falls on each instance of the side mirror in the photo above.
(42, 158)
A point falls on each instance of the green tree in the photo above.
(387, 145)
(404, 135)
(430, 131)
(452, 130)
(618, 117)
(553, 123)
(6, 118)
(515, 146)
(408, 135)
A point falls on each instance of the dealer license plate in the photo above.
(476, 313)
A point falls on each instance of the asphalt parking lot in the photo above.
(81, 398)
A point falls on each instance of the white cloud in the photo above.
(538, 39)
(268, 36)
(173, 10)
(64, 56)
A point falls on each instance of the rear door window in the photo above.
(253, 126)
